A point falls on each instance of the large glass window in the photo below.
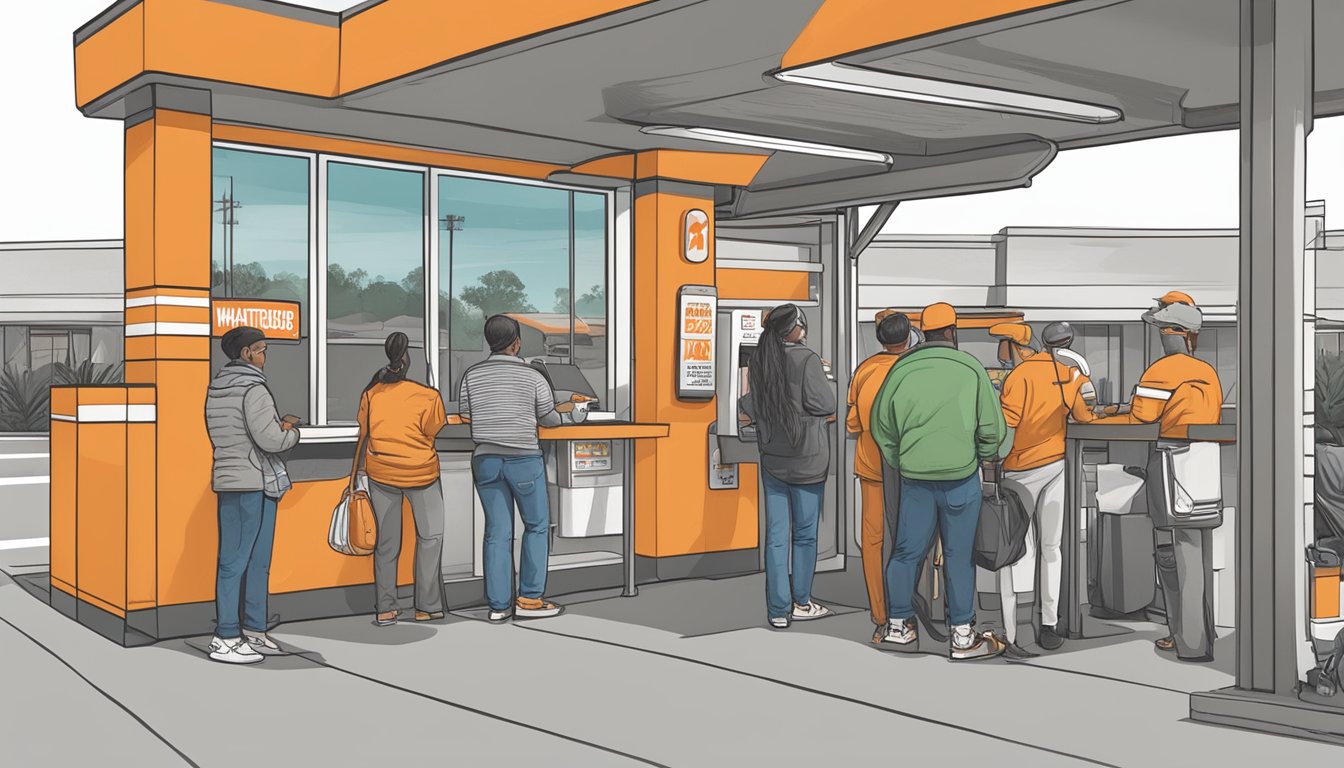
(536, 252)
(503, 248)
(259, 250)
(375, 276)
(590, 289)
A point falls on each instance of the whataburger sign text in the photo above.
(276, 319)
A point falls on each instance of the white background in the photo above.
(60, 173)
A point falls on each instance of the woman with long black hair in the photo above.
(398, 421)
(790, 400)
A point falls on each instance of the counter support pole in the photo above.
(1071, 609)
(629, 589)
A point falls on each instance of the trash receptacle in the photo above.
(1121, 578)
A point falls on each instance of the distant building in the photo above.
(61, 304)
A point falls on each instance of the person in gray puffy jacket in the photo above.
(248, 477)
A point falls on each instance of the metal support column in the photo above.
(1273, 374)
(629, 587)
(1276, 84)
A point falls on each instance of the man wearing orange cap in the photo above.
(893, 332)
(936, 418)
(1176, 392)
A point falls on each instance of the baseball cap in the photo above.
(1176, 297)
(1018, 333)
(236, 340)
(936, 316)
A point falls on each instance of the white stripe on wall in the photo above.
(28, 480)
(168, 329)
(4, 456)
(116, 413)
(169, 301)
(24, 543)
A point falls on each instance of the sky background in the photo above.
(62, 172)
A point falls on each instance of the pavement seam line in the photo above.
(466, 708)
(827, 694)
(104, 693)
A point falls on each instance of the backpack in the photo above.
(1001, 536)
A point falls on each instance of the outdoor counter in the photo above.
(1127, 444)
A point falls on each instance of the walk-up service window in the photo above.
(381, 234)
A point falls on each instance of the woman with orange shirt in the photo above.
(398, 421)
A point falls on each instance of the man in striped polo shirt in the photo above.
(505, 399)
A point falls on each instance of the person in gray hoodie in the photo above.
(792, 402)
(248, 477)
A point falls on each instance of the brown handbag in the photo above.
(363, 527)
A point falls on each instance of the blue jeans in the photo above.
(953, 506)
(503, 482)
(246, 535)
(791, 512)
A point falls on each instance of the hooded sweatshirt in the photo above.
(937, 416)
(244, 429)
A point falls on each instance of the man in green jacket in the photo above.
(936, 418)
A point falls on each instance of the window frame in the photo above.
(617, 255)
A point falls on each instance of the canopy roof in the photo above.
(563, 84)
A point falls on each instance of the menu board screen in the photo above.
(696, 320)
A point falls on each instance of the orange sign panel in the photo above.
(697, 236)
(695, 375)
(276, 319)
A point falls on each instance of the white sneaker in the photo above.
(498, 616)
(968, 645)
(779, 622)
(233, 651)
(262, 643)
(904, 633)
(810, 611)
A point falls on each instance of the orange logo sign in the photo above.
(697, 236)
(276, 319)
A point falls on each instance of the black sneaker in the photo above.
(1049, 639)
(1015, 652)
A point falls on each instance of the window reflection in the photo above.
(259, 249)
(375, 276)
(509, 253)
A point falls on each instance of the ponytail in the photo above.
(395, 348)
(768, 374)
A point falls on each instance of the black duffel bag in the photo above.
(1001, 536)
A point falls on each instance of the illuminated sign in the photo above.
(276, 319)
(590, 456)
(696, 236)
(696, 318)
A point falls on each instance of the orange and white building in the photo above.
(416, 165)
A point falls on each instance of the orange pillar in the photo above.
(676, 515)
(132, 513)
(168, 272)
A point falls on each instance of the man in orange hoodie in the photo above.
(893, 332)
(1176, 392)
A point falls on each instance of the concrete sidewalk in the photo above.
(684, 674)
